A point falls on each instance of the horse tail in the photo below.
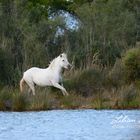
(22, 81)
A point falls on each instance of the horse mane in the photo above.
(51, 65)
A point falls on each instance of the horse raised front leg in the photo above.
(60, 87)
(61, 82)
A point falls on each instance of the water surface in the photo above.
(71, 125)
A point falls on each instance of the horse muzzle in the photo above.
(69, 66)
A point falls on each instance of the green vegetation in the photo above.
(103, 47)
(132, 64)
(90, 88)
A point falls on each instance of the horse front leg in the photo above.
(61, 82)
(60, 87)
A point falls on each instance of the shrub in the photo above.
(6, 67)
(116, 76)
(5, 99)
(39, 102)
(97, 103)
(86, 82)
(20, 102)
(128, 96)
(43, 100)
(131, 62)
(73, 101)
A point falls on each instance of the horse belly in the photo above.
(41, 80)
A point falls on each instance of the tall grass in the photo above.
(19, 102)
(89, 88)
(5, 99)
(125, 97)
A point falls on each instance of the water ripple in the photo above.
(68, 125)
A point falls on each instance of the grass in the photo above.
(72, 102)
(122, 98)
(92, 88)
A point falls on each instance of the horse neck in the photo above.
(56, 68)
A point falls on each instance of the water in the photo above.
(70, 125)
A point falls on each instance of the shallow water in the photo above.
(71, 125)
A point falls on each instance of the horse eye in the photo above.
(63, 60)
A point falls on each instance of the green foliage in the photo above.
(72, 102)
(87, 89)
(116, 76)
(5, 99)
(20, 102)
(87, 82)
(6, 67)
(41, 102)
(34, 32)
(131, 61)
(107, 27)
(97, 102)
(129, 97)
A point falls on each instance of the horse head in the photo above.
(63, 61)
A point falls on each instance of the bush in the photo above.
(131, 62)
(129, 96)
(72, 102)
(116, 76)
(86, 82)
(5, 99)
(6, 67)
(43, 100)
(20, 102)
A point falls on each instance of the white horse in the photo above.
(50, 76)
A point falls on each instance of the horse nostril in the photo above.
(69, 66)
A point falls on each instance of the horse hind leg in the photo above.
(29, 90)
(31, 87)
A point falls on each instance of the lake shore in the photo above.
(14, 101)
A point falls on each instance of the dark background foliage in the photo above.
(33, 32)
